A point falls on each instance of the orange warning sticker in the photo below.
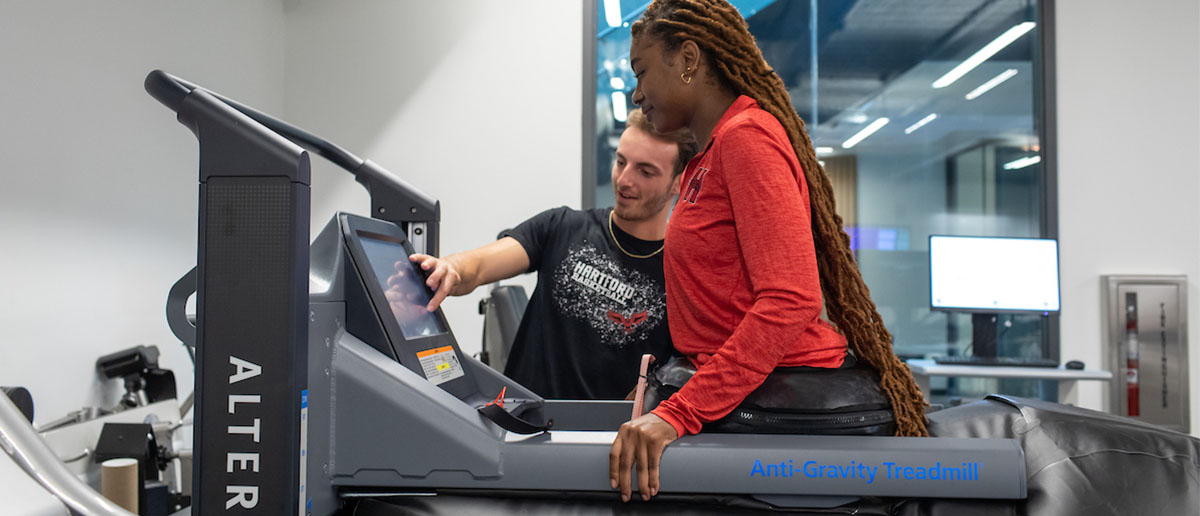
(440, 364)
(443, 349)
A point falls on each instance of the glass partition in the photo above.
(929, 118)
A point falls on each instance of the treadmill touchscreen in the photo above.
(403, 286)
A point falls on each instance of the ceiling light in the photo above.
(867, 131)
(620, 110)
(992, 83)
(821, 151)
(1022, 163)
(612, 12)
(617, 83)
(857, 118)
(984, 53)
(920, 123)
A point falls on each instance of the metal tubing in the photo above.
(32, 454)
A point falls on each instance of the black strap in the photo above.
(507, 421)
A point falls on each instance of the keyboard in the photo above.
(996, 361)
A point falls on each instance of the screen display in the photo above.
(993, 274)
(403, 286)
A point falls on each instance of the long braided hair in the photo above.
(733, 54)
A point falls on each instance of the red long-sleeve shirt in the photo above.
(743, 293)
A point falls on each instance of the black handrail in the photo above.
(392, 198)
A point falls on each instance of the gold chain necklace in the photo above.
(615, 241)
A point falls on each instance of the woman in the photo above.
(754, 243)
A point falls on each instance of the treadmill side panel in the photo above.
(388, 420)
(757, 464)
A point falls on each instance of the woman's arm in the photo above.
(770, 207)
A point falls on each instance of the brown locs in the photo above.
(733, 53)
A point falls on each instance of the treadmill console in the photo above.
(395, 296)
(402, 284)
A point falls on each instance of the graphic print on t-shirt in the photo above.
(627, 322)
(620, 304)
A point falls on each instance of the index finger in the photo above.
(614, 460)
(438, 297)
(625, 466)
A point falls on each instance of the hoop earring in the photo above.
(687, 79)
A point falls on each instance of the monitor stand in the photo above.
(983, 334)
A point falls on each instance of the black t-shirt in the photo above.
(595, 310)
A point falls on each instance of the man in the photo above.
(600, 300)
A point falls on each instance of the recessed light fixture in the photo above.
(617, 83)
(920, 123)
(1022, 163)
(992, 83)
(821, 151)
(612, 12)
(867, 131)
(620, 111)
(984, 53)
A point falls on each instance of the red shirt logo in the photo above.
(693, 189)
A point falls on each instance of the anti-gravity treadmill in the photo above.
(320, 378)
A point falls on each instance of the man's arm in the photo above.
(459, 274)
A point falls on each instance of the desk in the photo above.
(924, 369)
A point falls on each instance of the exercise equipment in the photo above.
(322, 349)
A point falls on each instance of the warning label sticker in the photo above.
(440, 365)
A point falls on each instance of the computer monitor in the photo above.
(988, 276)
(992, 275)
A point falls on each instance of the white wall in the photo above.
(478, 103)
(1129, 163)
(98, 197)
